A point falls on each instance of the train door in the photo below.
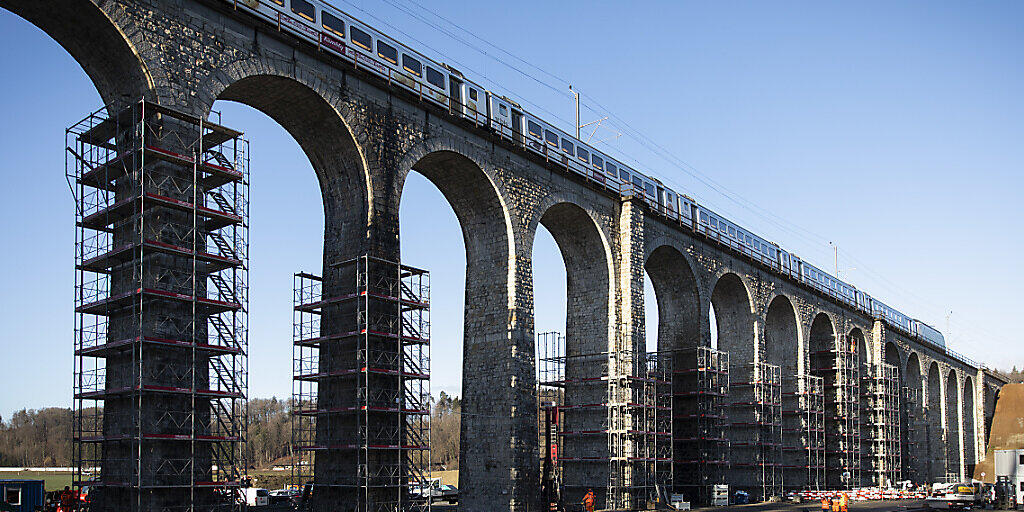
(456, 95)
(517, 126)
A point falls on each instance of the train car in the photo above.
(929, 333)
(338, 33)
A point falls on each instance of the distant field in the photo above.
(450, 477)
(54, 481)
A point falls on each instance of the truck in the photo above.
(1010, 464)
(955, 496)
(435, 491)
(256, 497)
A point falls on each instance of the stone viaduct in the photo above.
(363, 137)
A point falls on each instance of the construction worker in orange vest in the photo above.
(835, 505)
(588, 500)
(844, 503)
(826, 504)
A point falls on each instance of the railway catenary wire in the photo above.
(304, 19)
(673, 159)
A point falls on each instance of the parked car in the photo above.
(435, 491)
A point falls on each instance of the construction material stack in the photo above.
(361, 395)
(161, 308)
(700, 387)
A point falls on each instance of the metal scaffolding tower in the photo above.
(700, 388)
(839, 370)
(911, 449)
(756, 431)
(804, 434)
(612, 426)
(881, 420)
(361, 391)
(161, 309)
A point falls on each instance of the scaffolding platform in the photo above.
(161, 285)
(839, 368)
(606, 414)
(361, 385)
(755, 430)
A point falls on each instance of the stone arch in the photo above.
(782, 347)
(991, 396)
(735, 322)
(492, 375)
(915, 460)
(822, 335)
(952, 396)
(859, 343)
(95, 41)
(936, 440)
(328, 142)
(734, 319)
(588, 276)
(892, 356)
(969, 425)
(782, 336)
(678, 298)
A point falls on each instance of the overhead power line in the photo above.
(634, 134)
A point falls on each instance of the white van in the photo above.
(256, 497)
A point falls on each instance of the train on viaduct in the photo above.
(825, 394)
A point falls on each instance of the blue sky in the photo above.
(893, 129)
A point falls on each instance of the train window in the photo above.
(387, 52)
(610, 169)
(361, 38)
(638, 183)
(649, 188)
(503, 110)
(472, 94)
(412, 65)
(598, 162)
(583, 155)
(704, 217)
(332, 24)
(567, 146)
(304, 9)
(435, 77)
(534, 129)
(623, 175)
(714, 222)
(551, 138)
(732, 231)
